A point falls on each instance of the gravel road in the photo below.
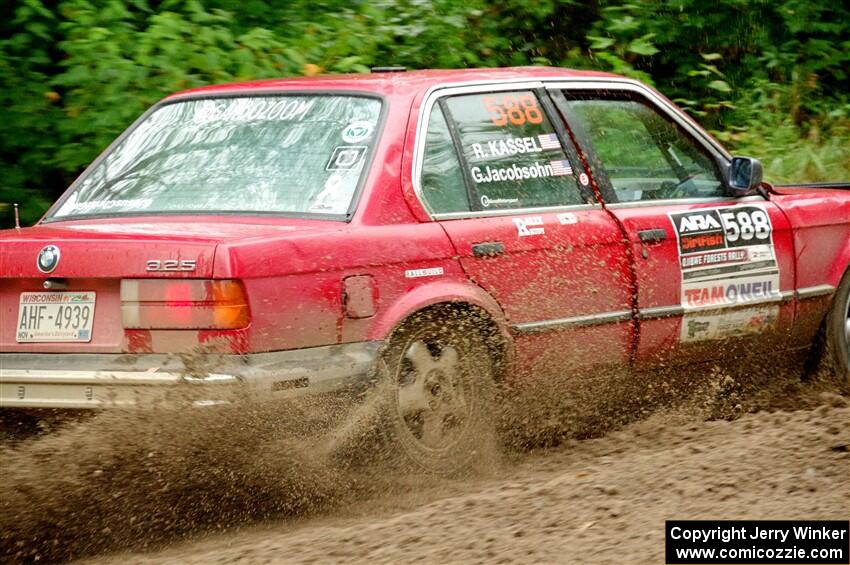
(211, 489)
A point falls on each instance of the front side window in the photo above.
(299, 154)
(645, 156)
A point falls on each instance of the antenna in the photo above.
(17, 218)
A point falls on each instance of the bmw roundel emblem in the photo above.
(48, 258)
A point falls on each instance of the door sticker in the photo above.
(530, 225)
(567, 218)
(726, 256)
(699, 326)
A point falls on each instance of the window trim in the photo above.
(472, 199)
(497, 212)
(613, 84)
(259, 93)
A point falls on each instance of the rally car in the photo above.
(422, 233)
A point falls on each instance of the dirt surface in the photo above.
(211, 489)
(594, 501)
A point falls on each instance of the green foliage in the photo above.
(769, 77)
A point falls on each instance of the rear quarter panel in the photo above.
(295, 284)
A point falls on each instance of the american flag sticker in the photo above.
(549, 141)
(561, 168)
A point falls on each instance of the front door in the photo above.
(713, 273)
(507, 187)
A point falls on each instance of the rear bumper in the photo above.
(81, 381)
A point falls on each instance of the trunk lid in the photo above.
(95, 255)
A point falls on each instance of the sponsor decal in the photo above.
(584, 179)
(357, 131)
(334, 197)
(506, 147)
(726, 293)
(251, 110)
(530, 225)
(417, 273)
(726, 257)
(516, 146)
(346, 158)
(486, 201)
(700, 326)
(567, 218)
(714, 258)
(511, 173)
(513, 110)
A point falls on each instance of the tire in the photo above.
(836, 351)
(437, 387)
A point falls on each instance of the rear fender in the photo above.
(429, 294)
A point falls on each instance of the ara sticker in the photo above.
(346, 158)
(357, 131)
(726, 256)
(530, 225)
(584, 179)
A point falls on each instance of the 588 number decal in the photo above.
(749, 225)
(515, 110)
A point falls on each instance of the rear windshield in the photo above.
(301, 154)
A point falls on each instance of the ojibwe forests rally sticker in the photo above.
(726, 258)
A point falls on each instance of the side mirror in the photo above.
(745, 174)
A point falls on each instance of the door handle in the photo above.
(488, 249)
(655, 235)
(650, 237)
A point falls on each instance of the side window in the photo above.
(645, 155)
(511, 153)
(442, 176)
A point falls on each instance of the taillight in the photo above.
(183, 304)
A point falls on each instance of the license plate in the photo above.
(55, 316)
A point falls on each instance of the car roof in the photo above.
(392, 83)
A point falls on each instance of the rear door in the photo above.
(506, 185)
(715, 275)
